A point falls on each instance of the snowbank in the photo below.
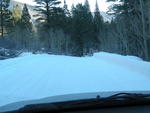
(37, 76)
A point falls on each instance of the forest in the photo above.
(77, 32)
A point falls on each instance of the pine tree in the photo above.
(45, 8)
(83, 30)
(65, 5)
(26, 19)
(22, 31)
(91, 40)
(133, 14)
(72, 8)
(66, 11)
(86, 4)
(98, 19)
(26, 26)
(77, 29)
(5, 17)
(16, 13)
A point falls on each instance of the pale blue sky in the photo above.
(102, 4)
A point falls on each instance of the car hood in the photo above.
(63, 98)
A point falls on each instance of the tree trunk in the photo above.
(2, 24)
(47, 10)
(143, 31)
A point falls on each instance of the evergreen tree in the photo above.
(92, 41)
(72, 8)
(26, 19)
(83, 30)
(5, 17)
(26, 26)
(23, 32)
(66, 11)
(67, 18)
(98, 22)
(98, 19)
(16, 13)
(65, 5)
(46, 8)
(133, 14)
(86, 4)
(77, 29)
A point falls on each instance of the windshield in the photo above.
(53, 48)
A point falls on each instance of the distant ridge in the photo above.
(31, 8)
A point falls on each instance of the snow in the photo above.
(31, 77)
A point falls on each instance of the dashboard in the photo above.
(130, 109)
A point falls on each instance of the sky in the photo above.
(103, 5)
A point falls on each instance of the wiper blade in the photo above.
(129, 96)
(117, 100)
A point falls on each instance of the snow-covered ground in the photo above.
(31, 76)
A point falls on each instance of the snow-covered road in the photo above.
(37, 76)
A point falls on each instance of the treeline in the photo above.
(131, 27)
(78, 32)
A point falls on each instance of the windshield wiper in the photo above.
(117, 100)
